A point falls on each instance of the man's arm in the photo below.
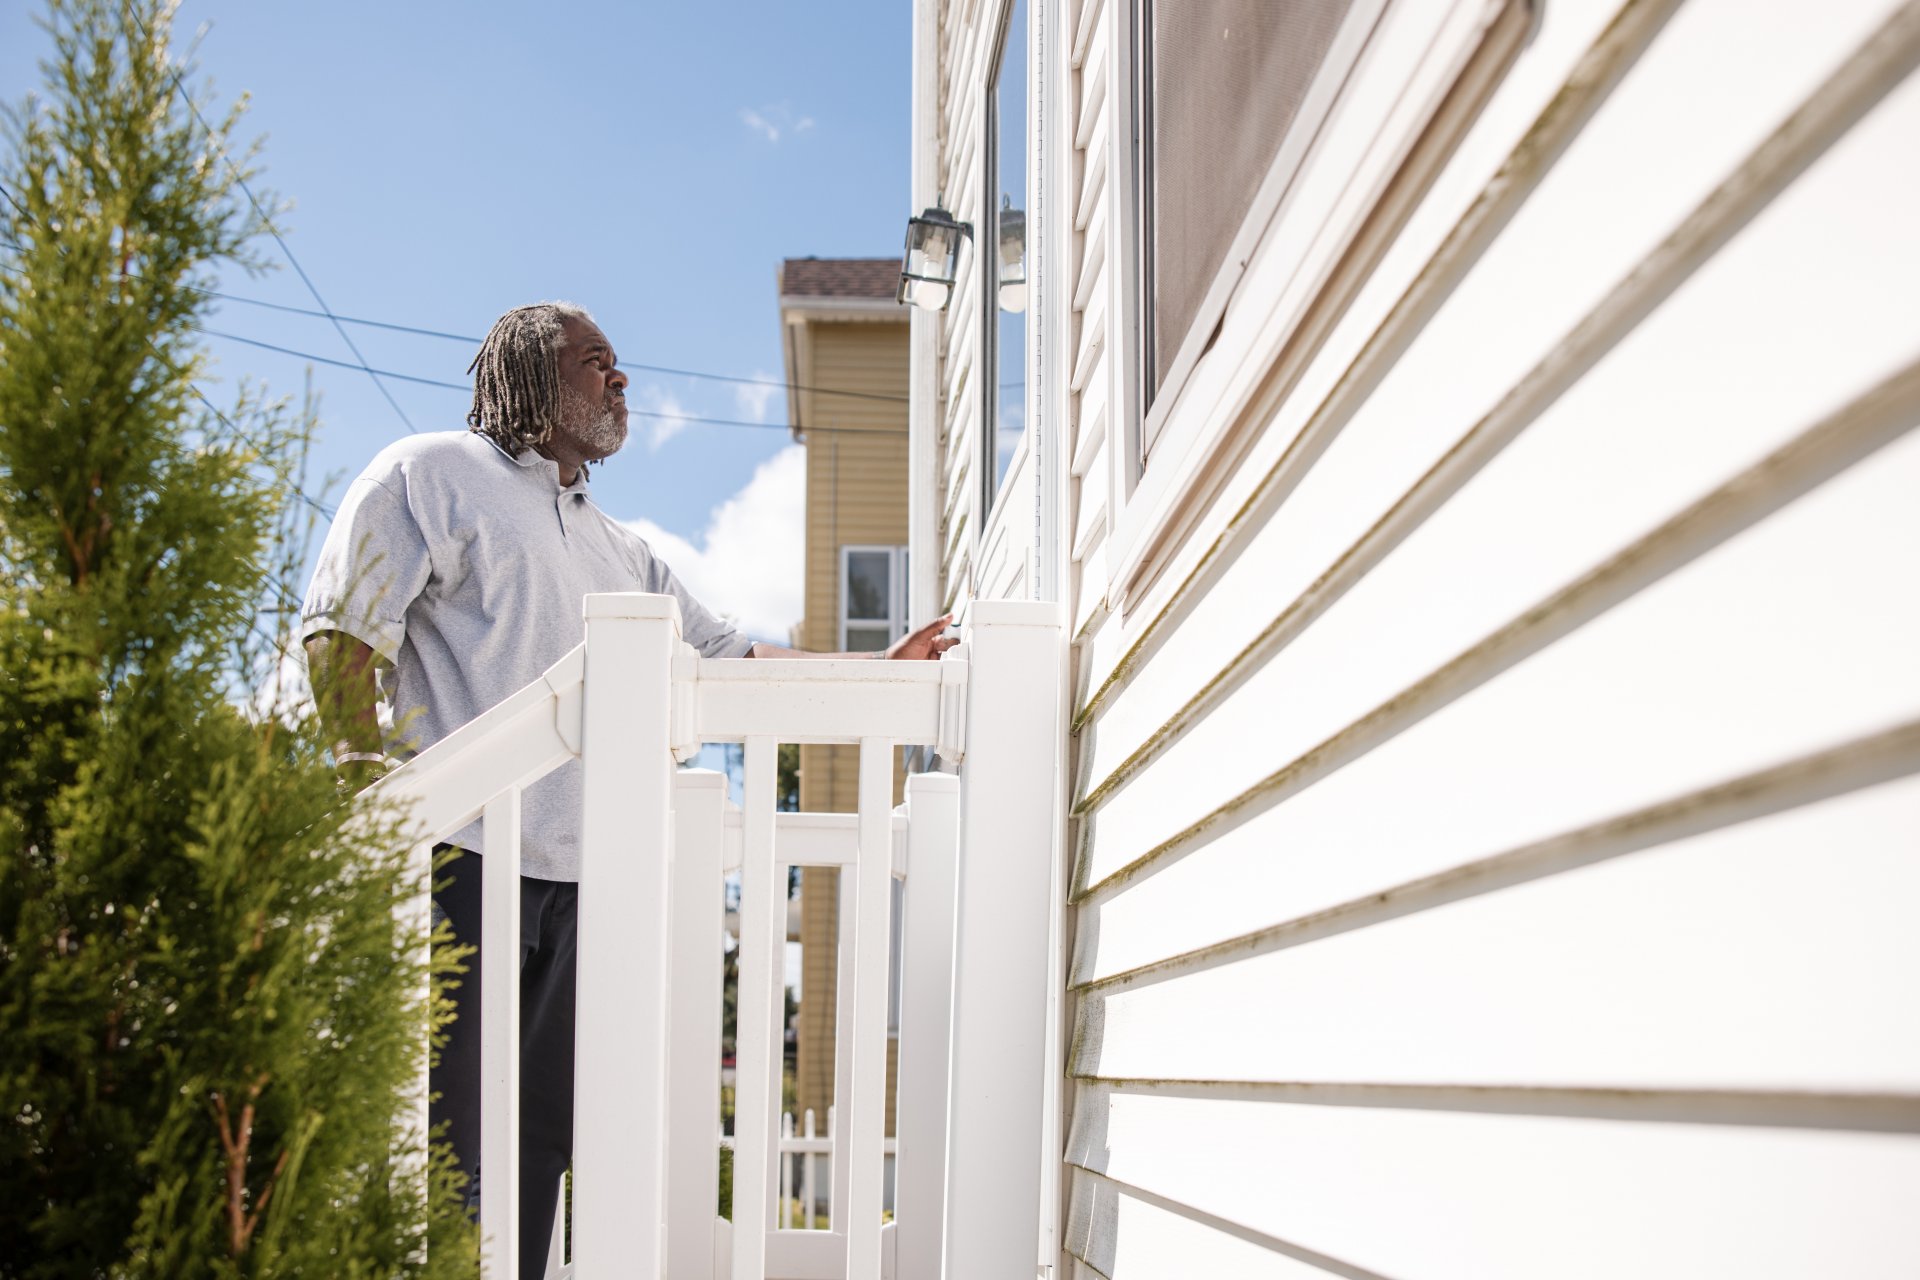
(925, 643)
(345, 692)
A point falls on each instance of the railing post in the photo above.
(926, 1023)
(693, 1038)
(866, 1007)
(500, 1189)
(759, 1005)
(1006, 905)
(620, 1072)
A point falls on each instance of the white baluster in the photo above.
(500, 1039)
(620, 1072)
(777, 1009)
(693, 1039)
(867, 1010)
(836, 1194)
(926, 1022)
(847, 917)
(806, 1173)
(756, 1090)
(1007, 901)
(786, 1174)
(415, 915)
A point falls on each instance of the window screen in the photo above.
(1227, 78)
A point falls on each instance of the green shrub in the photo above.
(211, 1018)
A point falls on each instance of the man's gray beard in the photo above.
(594, 426)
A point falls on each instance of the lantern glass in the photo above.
(1013, 257)
(931, 258)
(928, 295)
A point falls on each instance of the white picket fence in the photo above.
(806, 1150)
(974, 852)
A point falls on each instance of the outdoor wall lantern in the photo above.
(1013, 257)
(933, 253)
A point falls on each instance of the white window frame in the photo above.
(987, 265)
(896, 621)
(1386, 77)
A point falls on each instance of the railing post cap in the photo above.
(1014, 613)
(932, 782)
(700, 779)
(632, 604)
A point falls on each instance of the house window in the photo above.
(1229, 93)
(1003, 252)
(1275, 151)
(873, 597)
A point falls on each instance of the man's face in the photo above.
(593, 393)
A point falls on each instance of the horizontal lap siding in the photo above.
(1374, 1192)
(1553, 868)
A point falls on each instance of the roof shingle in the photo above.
(839, 277)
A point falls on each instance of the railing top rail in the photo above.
(523, 738)
(534, 731)
(835, 700)
(853, 671)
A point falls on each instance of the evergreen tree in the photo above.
(211, 1017)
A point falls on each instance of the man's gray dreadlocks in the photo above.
(516, 378)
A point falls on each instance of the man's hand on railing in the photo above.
(925, 643)
(357, 770)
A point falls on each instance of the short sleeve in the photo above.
(711, 635)
(373, 565)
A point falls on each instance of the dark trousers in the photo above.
(548, 928)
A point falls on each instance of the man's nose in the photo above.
(618, 381)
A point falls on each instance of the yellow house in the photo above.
(844, 340)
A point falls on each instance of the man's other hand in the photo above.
(927, 642)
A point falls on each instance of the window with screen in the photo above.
(873, 597)
(1003, 256)
(1227, 85)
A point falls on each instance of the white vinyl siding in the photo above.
(1496, 800)
(988, 542)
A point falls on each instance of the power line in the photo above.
(339, 364)
(463, 387)
(624, 366)
(296, 490)
(240, 178)
(194, 387)
(17, 205)
(697, 419)
(469, 338)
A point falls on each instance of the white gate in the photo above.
(973, 850)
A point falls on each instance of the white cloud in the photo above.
(654, 400)
(760, 124)
(775, 121)
(755, 398)
(750, 559)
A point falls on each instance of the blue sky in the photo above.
(652, 162)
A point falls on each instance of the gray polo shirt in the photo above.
(463, 567)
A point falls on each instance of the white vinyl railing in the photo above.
(657, 841)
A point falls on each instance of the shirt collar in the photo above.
(529, 459)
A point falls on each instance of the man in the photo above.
(452, 576)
